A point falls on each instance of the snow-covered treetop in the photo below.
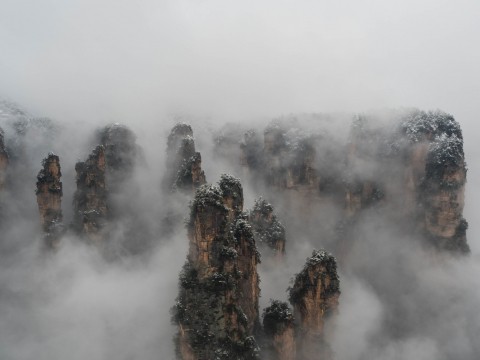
(207, 195)
(319, 256)
(262, 206)
(418, 125)
(230, 186)
(446, 150)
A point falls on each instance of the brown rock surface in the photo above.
(90, 202)
(184, 164)
(314, 297)
(278, 325)
(267, 229)
(217, 309)
(287, 165)
(49, 199)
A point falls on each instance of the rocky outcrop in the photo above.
(267, 229)
(314, 297)
(442, 195)
(121, 154)
(184, 164)
(362, 165)
(279, 329)
(90, 201)
(418, 169)
(49, 199)
(289, 159)
(103, 185)
(435, 178)
(251, 155)
(217, 308)
(3, 161)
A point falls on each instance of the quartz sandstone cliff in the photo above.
(314, 297)
(90, 202)
(289, 164)
(267, 229)
(418, 170)
(217, 308)
(49, 199)
(184, 164)
(279, 329)
(103, 184)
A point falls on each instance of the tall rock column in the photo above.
(90, 201)
(217, 308)
(279, 328)
(314, 297)
(268, 230)
(290, 161)
(184, 164)
(49, 199)
(443, 192)
(436, 177)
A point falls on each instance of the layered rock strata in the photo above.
(217, 308)
(49, 199)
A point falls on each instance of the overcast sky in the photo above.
(128, 61)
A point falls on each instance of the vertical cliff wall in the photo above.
(289, 159)
(416, 168)
(435, 178)
(121, 154)
(314, 297)
(267, 229)
(90, 201)
(279, 329)
(49, 199)
(184, 164)
(442, 195)
(217, 308)
(106, 192)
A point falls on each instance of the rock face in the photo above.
(314, 297)
(3, 161)
(361, 187)
(290, 163)
(184, 164)
(251, 156)
(49, 199)
(90, 202)
(217, 308)
(442, 194)
(435, 178)
(121, 154)
(103, 186)
(418, 170)
(279, 328)
(268, 231)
